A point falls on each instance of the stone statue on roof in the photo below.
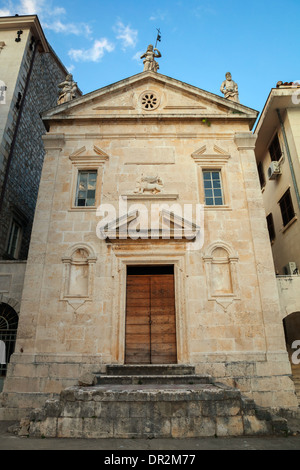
(150, 64)
(68, 90)
(230, 89)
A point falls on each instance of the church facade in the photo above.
(150, 246)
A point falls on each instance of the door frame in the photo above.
(119, 273)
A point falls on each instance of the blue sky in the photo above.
(101, 41)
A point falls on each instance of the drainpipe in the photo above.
(12, 146)
(289, 158)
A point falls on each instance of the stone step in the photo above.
(199, 410)
(149, 369)
(153, 379)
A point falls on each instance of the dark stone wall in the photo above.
(28, 152)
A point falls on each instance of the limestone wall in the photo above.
(12, 275)
(289, 294)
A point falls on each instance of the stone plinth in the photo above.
(151, 411)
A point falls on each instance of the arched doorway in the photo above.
(8, 333)
(291, 325)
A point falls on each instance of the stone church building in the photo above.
(142, 295)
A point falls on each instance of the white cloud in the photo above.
(7, 9)
(158, 15)
(127, 35)
(137, 57)
(29, 7)
(5, 12)
(94, 54)
(77, 29)
(51, 16)
(201, 11)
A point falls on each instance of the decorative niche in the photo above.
(221, 266)
(78, 276)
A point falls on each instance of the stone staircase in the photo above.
(150, 401)
(151, 374)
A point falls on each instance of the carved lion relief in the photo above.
(152, 184)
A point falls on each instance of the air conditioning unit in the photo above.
(290, 269)
(274, 170)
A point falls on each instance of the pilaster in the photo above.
(269, 297)
(31, 299)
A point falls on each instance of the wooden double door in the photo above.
(150, 336)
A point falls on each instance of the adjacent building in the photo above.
(277, 153)
(30, 73)
(278, 161)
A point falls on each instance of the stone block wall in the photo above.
(12, 275)
(27, 152)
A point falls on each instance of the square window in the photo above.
(271, 229)
(90, 202)
(275, 149)
(93, 177)
(213, 188)
(207, 184)
(209, 201)
(261, 175)
(217, 184)
(86, 189)
(286, 207)
(208, 193)
(91, 194)
(218, 201)
(14, 239)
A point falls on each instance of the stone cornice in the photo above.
(245, 140)
(150, 117)
(53, 142)
(25, 22)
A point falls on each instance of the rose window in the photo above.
(149, 101)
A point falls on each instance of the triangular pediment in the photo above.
(131, 226)
(148, 95)
(83, 153)
(211, 152)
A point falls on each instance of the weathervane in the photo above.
(158, 37)
(150, 64)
